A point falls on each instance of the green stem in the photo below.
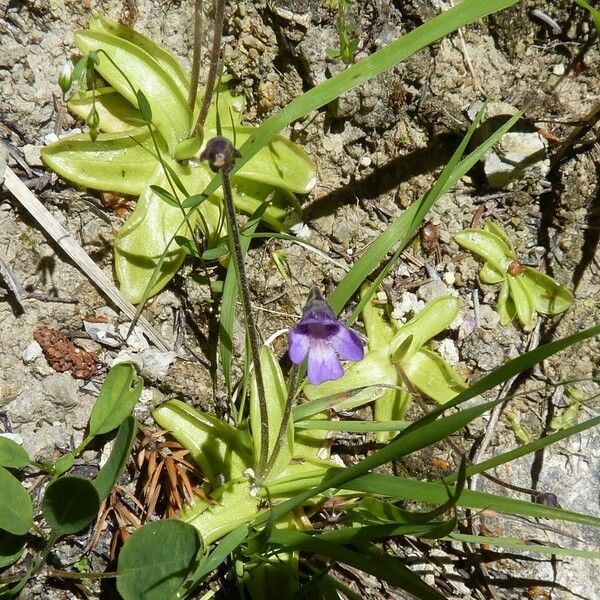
(285, 420)
(214, 64)
(238, 258)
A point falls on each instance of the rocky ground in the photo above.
(377, 149)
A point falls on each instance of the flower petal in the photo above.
(298, 343)
(323, 363)
(347, 344)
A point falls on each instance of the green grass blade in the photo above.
(404, 444)
(394, 572)
(517, 365)
(404, 227)
(525, 449)
(394, 448)
(445, 23)
(519, 544)
(359, 535)
(352, 426)
(436, 493)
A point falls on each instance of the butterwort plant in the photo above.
(145, 142)
(320, 338)
(525, 291)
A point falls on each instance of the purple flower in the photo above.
(321, 337)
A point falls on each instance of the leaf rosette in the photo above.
(129, 158)
(525, 291)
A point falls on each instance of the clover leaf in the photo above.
(525, 291)
(147, 82)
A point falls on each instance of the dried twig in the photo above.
(62, 237)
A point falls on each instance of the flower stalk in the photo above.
(220, 154)
(196, 53)
(215, 53)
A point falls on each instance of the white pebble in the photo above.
(33, 351)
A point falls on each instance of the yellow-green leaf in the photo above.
(281, 163)
(116, 113)
(496, 229)
(548, 296)
(489, 274)
(214, 445)
(379, 331)
(375, 368)
(164, 58)
(524, 305)
(115, 162)
(435, 316)
(487, 245)
(170, 112)
(433, 376)
(147, 232)
(276, 398)
(506, 306)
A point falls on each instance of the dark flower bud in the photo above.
(220, 153)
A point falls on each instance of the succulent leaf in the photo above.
(434, 318)
(494, 228)
(487, 245)
(375, 368)
(276, 397)
(490, 275)
(214, 445)
(116, 114)
(149, 229)
(392, 406)
(281, 163)
(433, 376)
(506, 306)
(164, 58)
(123, 163)
(379, 331)
(524, 304)
(548, 296)
(170, 112)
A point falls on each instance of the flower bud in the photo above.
(93, 122)
(220, 154)
(64, 79)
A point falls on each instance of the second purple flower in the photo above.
(321, 338)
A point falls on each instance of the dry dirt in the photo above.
(377, 149)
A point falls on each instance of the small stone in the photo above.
(136, 341)
(409, 304)
(449, 278)
(365, 161)
(448, 350)
(432, 290)
(33, 351)
(558, 69)
(50, 139)
(103, 333)
(488, 317)
(516, 155)
(33, 155)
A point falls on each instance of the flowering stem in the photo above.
(197, 49)
(214, 64)
(285, 419)
(221, 154)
